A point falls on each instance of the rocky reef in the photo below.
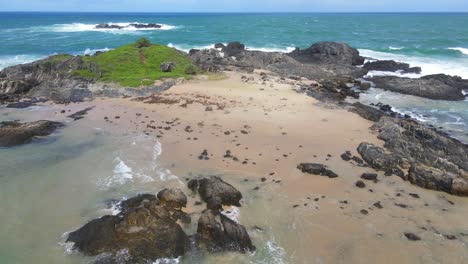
(149, 227)
(15, 133)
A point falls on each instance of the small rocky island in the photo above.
(132, 25)
(149, 228)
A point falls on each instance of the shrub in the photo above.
(143, 42)
(191, 70)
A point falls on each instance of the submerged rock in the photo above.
(437, 87)
(16, 133)
(316, 169)
(216, 232)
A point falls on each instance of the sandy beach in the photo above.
(255, 131)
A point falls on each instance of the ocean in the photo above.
(437, 42)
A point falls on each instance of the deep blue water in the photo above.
(438, 42)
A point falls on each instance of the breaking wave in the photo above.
(187, 48)
(463, 51)
(80, 27)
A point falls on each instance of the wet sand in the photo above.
(269, 128)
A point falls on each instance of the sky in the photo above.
(236, 5)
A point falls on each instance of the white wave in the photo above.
(273, 49)
(395, 48)
(187, 48)
(232, 213)
(398, 74)
(80, 27)
(464, 51)
(7, 61)
(93, 51)
(122, 174)
(429, 65)
(167, 261)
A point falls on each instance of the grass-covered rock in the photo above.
(136, 64)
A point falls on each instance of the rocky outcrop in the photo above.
(234, 56)
(144, 229)
(49, 78)
(437, 87)
(216, 233)
(16, 133)
(132, 25)
(328, 53)
(379, 159)
(148, 229)
(391, 66)
(367, 112)
(316, 169)
(435, 160)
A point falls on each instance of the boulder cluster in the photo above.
(149, 228)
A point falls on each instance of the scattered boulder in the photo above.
(16, 133)
(167, 66)
(316, 169)
(216, 233)
(360, 184)
(328, 53)
(391, 66)
(412, 237)
(369, 176)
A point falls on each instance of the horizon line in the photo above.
(243, 12)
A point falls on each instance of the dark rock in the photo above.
(138, 201)
(80, 114)
(414, 195)
(367, 112)
(329, 53)
(360, 184)
(345, 157)
(146, 232)
(234, 48)
(26, 103)
(436, 179)
(215, 192)
(412, 237)
(391, 66)
(378, 205)
(216, 233)
(316, 169)
(193, 185)
(437, 87)
(167, 66)
(369, 176)
(219, 46)
(364, 212)
(173, 198)
(16, 133)
(378, 158)
(450, 237)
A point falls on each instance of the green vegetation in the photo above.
(136, 64)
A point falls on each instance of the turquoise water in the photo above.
(437, 42)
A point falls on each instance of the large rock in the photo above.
(391, 66)
(216, 233)
(329, 53)
(216, 192)
(144, 229)
(316, 169)
(367, 112)
(234, 48)
(379, 159)
(420, 144)
(167, 66)
(435, 179)
(16, 133)
(437, 87)
(173, 198)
